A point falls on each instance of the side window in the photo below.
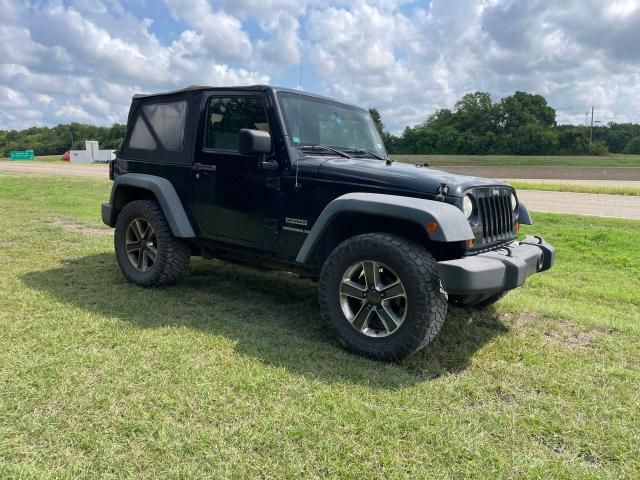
(141, 137)
(167, 121)
(226, 116)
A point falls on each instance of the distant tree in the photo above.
(599, 148)
(377, 119)
(522, 108)
(572, 140)
(388, 139)
(476, 112)
(616, 135)
(56, 140)
(633, 147)
(532, 139)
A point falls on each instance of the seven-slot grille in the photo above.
(495, 214)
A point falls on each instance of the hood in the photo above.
(400, 176)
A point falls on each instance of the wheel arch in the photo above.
(356, 213)
(137, 186)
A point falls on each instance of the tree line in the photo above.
(59, 139)
(519, 124)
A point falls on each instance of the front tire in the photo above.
(381, 296)
(147, 252)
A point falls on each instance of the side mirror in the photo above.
(251, 142)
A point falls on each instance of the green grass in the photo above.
(557, 187)
(231, 373)
(522, 161)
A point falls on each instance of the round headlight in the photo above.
(467, 206)
(514, 202)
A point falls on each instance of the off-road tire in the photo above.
(477, 303)
(426, 300)
(173, 255)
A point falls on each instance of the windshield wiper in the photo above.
(324, 147)
(366, 152)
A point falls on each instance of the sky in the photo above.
(82, 60)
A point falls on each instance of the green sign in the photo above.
(21, 154)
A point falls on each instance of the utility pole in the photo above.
(591, 130)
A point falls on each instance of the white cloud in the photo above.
(12, 99)
(75, 113)
(43, 99)
(223, 33)
(84, 63)
(85, 59)
(283, 49)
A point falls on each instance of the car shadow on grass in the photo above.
(272, 317)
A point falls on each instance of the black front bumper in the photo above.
(499, 270)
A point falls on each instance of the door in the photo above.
(233, 198)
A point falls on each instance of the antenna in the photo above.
(297, 185)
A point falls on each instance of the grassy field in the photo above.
(522, 161)
(232, 374)
(564, 187)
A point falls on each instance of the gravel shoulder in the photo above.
(584, 183)
(93, 170)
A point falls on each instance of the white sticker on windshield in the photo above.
(296, 139)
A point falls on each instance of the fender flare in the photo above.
(452, 224)
(166, 195)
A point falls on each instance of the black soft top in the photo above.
(198, 88)
(250, 88)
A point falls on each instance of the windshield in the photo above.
(315, 121)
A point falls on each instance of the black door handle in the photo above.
(204, 168)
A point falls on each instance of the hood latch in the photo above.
(443, 191)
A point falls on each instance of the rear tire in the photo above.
(403, 312)
(147, 252)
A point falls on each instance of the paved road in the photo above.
(558, 202)
(569, 173)
(586, 183)
(619, 206)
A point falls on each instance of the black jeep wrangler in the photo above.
(281, 179)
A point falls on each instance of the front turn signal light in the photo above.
(431, 227)
(469, 243)
(517, 228)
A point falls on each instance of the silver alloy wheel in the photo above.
(373, 298)
(141, 243)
